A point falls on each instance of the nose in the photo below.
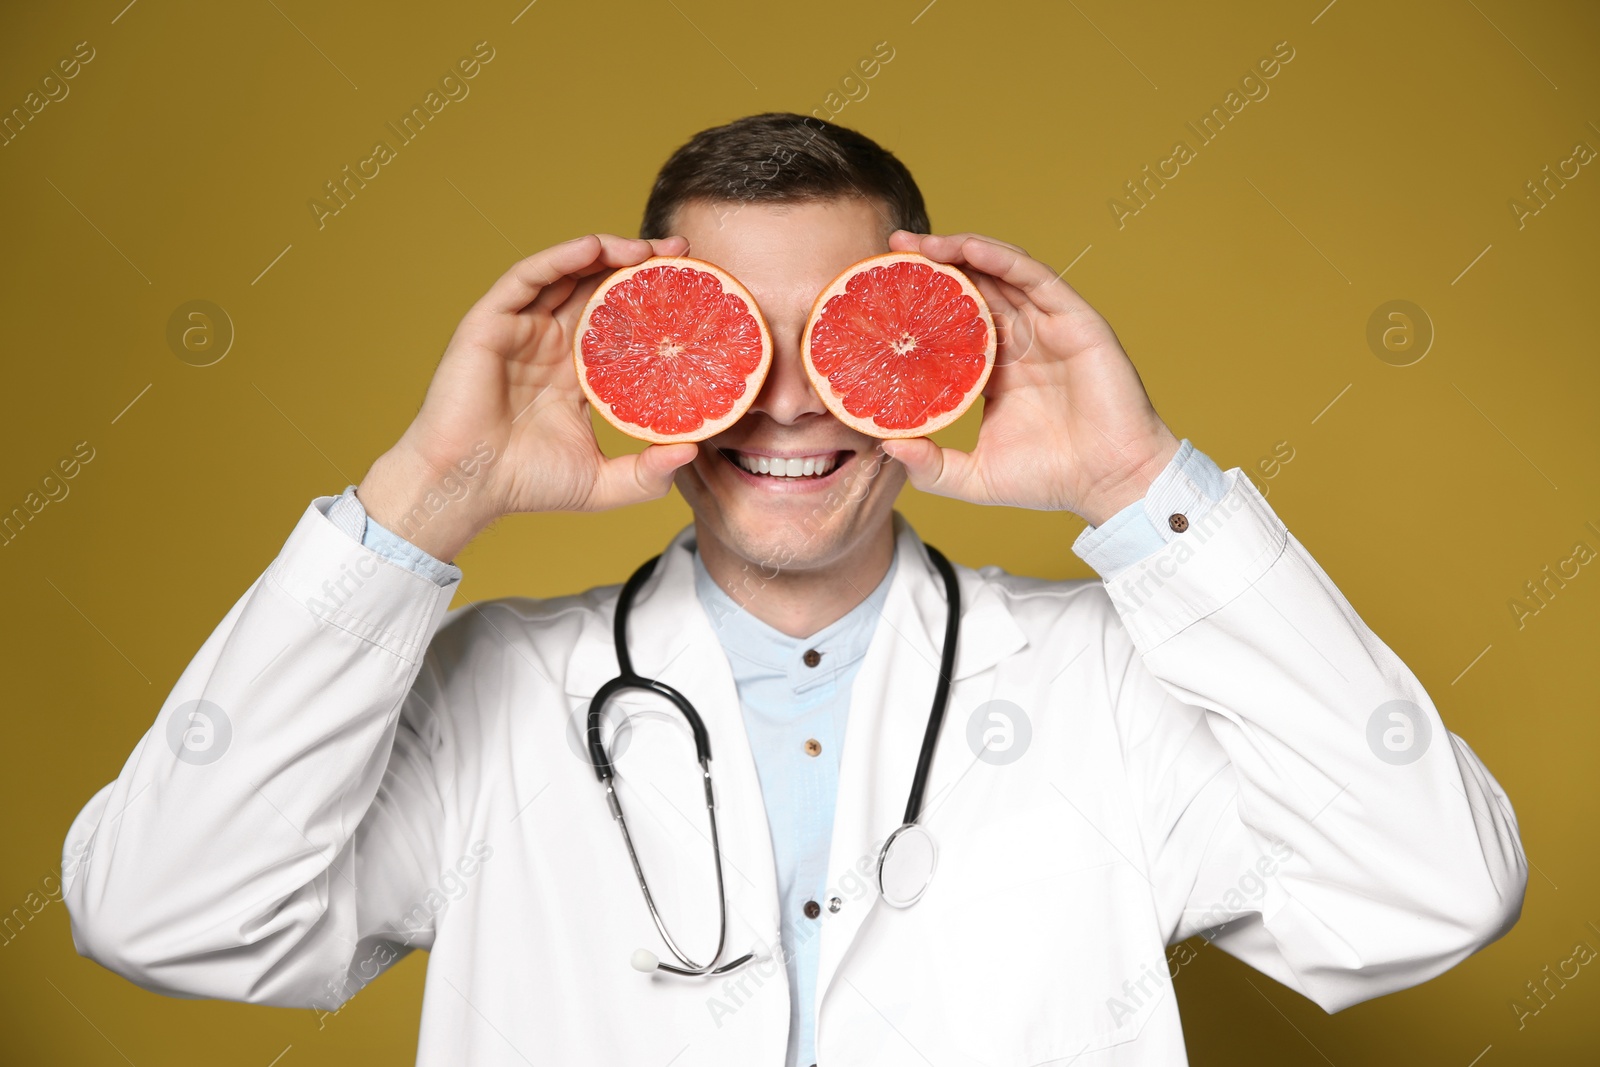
(787, 396)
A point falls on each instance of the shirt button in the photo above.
(1178, 521)
(834, 904)
(813, 747)
(811, 658)
(812, 909)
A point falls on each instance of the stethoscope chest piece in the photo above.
(905, 866)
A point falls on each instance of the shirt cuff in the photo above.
(1184, 491)
(348, 514)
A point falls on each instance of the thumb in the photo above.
(922, 459)
(658, 463)
(943, 471)
(643, 476)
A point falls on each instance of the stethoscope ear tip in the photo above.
(645, 960)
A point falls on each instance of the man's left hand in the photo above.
(1067, 424)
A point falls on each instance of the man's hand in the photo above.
(507, 381)
(1067, 424)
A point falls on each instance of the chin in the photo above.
(771, 549)
(834, 502)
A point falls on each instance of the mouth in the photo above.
(792, 471)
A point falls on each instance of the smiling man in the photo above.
(1208, 741)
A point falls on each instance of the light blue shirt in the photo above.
(786, 703)
(794, 714)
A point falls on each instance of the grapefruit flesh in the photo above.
(899, 345)
(671, 349)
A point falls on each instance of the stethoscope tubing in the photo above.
(627, 679)
(941, 691)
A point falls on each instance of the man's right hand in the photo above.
(507, 381)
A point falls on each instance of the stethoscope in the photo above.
(908, 857)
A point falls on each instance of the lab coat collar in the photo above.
(665, 618)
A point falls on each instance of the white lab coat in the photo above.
(398, 775)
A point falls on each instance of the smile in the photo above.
(812, 466)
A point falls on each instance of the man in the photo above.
(1209, 741)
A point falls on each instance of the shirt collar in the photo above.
(914, 608)
(746, 637)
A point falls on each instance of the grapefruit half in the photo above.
(671, 349)
(899, 345)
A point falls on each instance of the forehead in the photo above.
(785, 253)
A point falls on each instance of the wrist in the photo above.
(1130, 484)
(433, 510)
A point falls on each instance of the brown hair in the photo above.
(782, 157)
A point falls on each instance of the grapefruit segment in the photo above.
(671, 349)
(899, 345)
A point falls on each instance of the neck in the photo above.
(795, 601)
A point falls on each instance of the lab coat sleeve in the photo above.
(294, 853)
(1301, 802)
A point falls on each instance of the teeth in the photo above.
(809, 466)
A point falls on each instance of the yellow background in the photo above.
(1378, 168)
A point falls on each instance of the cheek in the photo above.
(690, 481)
(879, 477)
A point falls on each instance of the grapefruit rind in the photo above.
(710, 427)
(867, 423)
